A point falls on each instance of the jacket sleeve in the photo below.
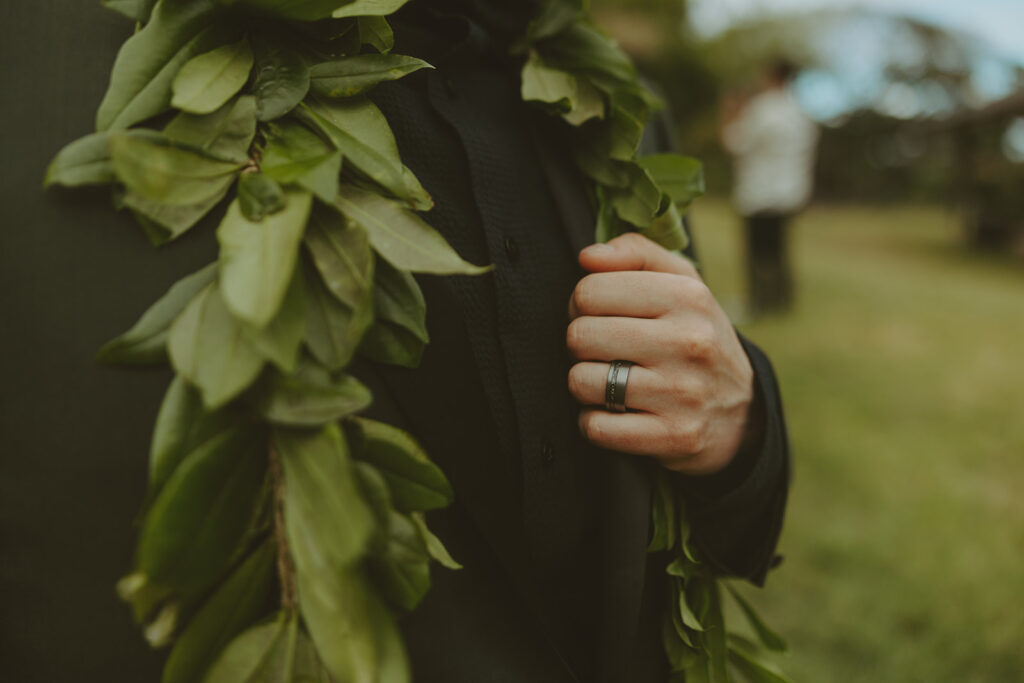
(737, 513)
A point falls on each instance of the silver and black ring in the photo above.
(615, 388)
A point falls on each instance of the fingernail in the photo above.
(599, 249)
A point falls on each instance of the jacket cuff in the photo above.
(736, 514)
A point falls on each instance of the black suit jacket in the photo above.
(557, 585)
(552, 532)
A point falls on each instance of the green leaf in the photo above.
(193, 528)
(358, 128)
(686, 614)
(146, 341)
(541, 83)
(682, 632)
(361, 8)
(312, 397)
(226, 133)
(680, 655)
(341, 252)
(399, 334)
(281, 339)
(583, 47)
(608, 225)
(434, 545)
(86, 161)
(303, 10)
(144, 597)
(209, 348)
(282, 80)
(237, 603)
(593, 161)
(377, 495)
(257, 260)
(292, 150)
(663, 516)
(416, 484)
(554, 17)
(140, 83)
(681, 178)
(402, 571)
(182, 426)
(327, 522)
(259, 196)
(769, 638)
(352, 75)
(668, 229)
(328, 526)
(274, 652)
(638, 203)
(402, 237)
(376, 32)
(163, 172)
(353, 631)
(207, 81)
(744, 656)
(387, 343)
(136, 10)
(603, 143)
(295, 154)
(333, 329)
(715, 637)
(261, 654)
(681, 567)
(589, 104)
(166, 222)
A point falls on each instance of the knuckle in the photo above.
(588, 426)
(699, 341)
(577, 384)
(688, 389)
(698, 294)
(574, 335)
(633, 239)
(584, 293)
(700, 346)
(688, 439)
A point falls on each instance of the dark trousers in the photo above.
(770, 281)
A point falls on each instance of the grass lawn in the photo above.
(903, 376)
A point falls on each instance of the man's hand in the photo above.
(691, 387)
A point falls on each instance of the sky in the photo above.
(998, 22)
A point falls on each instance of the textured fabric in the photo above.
(581, 515)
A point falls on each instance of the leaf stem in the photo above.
(285, 564)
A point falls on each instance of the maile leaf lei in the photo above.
(282, 533)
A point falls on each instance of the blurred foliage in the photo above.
(900, 369)
(887, 147)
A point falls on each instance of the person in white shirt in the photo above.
(774, 144)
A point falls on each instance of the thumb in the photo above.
(633, 251)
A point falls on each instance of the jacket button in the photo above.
(511, 249)
(547, 453)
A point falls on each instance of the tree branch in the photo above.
(285, 565)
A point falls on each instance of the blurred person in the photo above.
(774, 145)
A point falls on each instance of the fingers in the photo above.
(634, 433)
(633, 251)
(611, 338)
(634, 294)
(587, 382)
